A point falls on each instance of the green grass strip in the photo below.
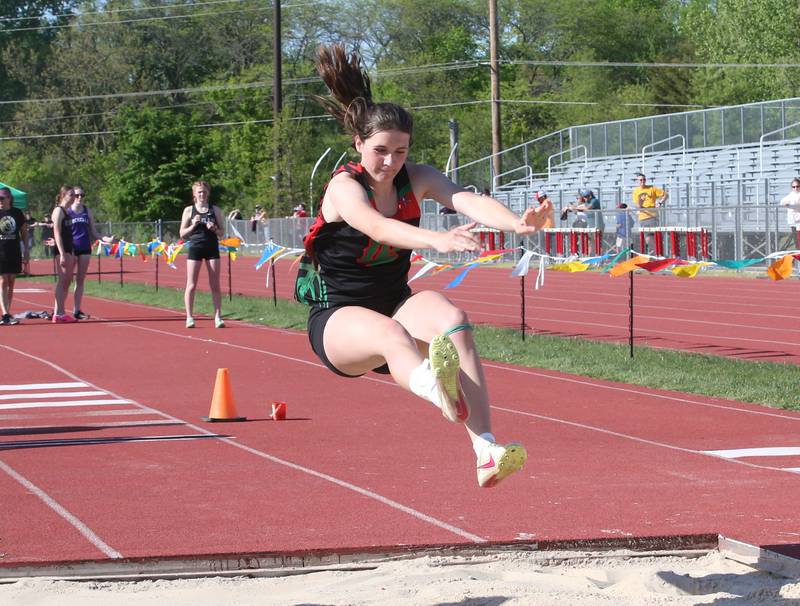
(769, 383)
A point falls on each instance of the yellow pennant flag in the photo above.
(627, 266)
(173, 254)
(782, 268)
(232, 255)
(571, 267)
(687, 271)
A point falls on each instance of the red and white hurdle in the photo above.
(579, 239)
(674, 234)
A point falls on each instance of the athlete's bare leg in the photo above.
(65, 266)
(192, 273)
(212, 265)
(428, 314)
(357, 340)
(82, 266)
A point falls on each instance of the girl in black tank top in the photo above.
(355, 271)
(65, 231)
(201, 234)
(65, 261)
(200, 225)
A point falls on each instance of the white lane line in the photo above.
(625, 436)
(72, 414)
(84, 530)
(16, 444)
(644, 333)
(418, 515)
(51, 394)
(63, 404)
(639, 392)
(775, 451)
(19, 290)
(792, 469)
(30, 386)
(32, 428)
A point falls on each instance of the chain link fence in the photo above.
(736, 232)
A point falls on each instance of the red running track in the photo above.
(103, 455)
(746, 318)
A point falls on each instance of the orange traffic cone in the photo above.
(223, 408)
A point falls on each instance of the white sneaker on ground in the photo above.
(189, 322)
(496, 462)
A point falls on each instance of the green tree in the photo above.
(743, 31)
(155, 160)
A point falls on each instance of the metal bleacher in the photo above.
(729, 155)
(724, 168)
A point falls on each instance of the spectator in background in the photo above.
(578, 207)
(201, 224)
(30, 222)
(299, 211)
(589, 204)
(792, 203)
(13, 251)
(624, 227)
(644, 197)
(260, 220)
(65, 262)
(545, 209)
(46, 225)
(84, 235)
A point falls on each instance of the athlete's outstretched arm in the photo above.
(483, 209)
(345, 200)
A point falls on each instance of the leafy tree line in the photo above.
(136, 99)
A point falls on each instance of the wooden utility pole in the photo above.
(277, 102)
(497, 144)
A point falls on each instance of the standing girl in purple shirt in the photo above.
(83, 235)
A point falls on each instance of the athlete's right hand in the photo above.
(458, 239)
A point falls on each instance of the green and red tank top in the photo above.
(344, 266)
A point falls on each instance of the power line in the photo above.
(124, 21)
(417, 107)
(327, 117)
(402, 71)
(52, 136)
(117, 10)
(79, 24)
(644, 64)
(250, 85)
(555, 102)
(148, 93)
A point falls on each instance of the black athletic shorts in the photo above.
(82, 251)
(318, 318)
(11, 265)
(198, 252)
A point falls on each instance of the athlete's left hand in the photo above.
(530, 222)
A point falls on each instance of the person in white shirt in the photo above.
(792, 202)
